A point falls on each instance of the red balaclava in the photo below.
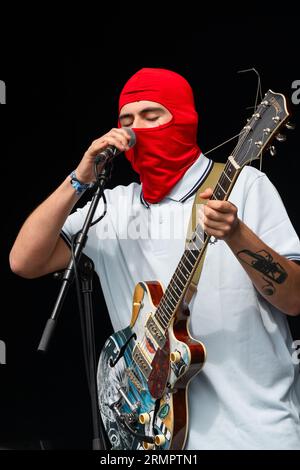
(162, 154)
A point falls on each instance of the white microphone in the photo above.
(111, 151)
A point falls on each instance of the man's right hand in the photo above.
(38, 249)
(116, 137)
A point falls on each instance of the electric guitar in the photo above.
(144, 370)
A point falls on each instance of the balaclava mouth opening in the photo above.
(162, 154)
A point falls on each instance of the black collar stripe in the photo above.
(199, 182)
(192, 191)
(145, 203)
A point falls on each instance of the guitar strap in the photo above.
(209, 182)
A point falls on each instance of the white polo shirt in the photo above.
(248, 394)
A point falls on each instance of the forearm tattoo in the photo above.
(263, 262)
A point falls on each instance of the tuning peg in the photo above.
(280, 137)
(272, 150)
(290, 125)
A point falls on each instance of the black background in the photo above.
(59, 98)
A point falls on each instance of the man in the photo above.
(247, 396)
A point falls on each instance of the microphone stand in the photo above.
(86, 274)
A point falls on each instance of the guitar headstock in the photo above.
(263, 126)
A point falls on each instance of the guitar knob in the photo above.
(280, 137)
(148, 446)
(290, 125)
(272, 150)
(175, 356)
(160, 440)
(144, 418)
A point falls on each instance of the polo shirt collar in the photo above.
(188, 185)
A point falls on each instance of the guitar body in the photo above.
(142, 385)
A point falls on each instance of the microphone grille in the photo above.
(131, 132)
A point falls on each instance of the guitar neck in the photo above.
(193, 253)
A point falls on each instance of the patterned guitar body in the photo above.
(143, 376)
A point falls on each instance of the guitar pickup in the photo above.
(141, 361)
(155, 331)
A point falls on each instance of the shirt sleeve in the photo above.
(74, 224)
(265, 214)
(104, 235)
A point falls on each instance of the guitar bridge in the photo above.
(134, 379)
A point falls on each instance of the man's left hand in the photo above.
(218, 218)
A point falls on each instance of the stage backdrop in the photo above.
(64, 98)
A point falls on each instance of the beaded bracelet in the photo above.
(78, 185)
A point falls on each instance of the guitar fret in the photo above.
(225, 181)
(194, 245)
(177, 277)
(159, 319)
(170, 299)
(186, 276)
(164, 306)
(160, 315)
(184, 269)
(174, 294)
(165, 320)
(187, 255)
(229, 170)
(174, 286)
(192, 256)
(225, 174)
(167, 310)
(201, 239)
(219, 191)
